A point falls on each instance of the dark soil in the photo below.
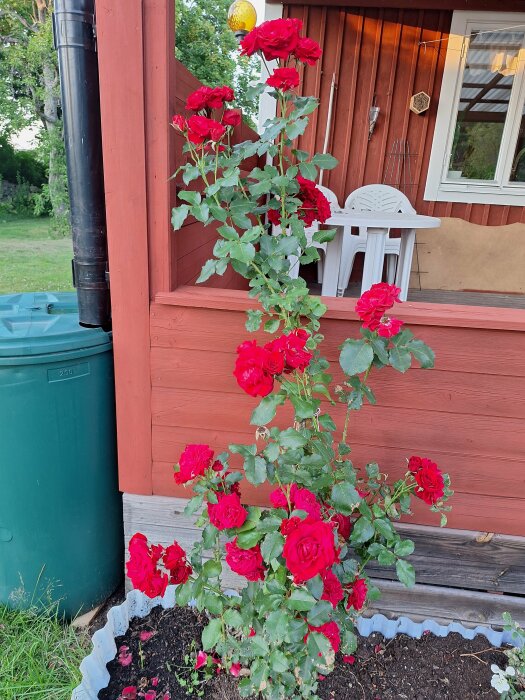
(431, 668)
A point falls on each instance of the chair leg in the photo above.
(405, 261)
(320, 269)
(391, 262)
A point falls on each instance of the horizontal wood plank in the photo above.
(162, 520)
(451, 392)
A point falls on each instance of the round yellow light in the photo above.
(242, 16)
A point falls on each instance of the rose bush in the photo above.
(302, 561)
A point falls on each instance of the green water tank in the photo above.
(60, 509)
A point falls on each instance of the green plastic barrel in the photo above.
(60, 509)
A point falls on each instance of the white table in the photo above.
(377, 224)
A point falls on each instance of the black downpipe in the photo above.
(75, 41)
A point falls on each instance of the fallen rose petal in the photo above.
(145, 635)
(154, 681)
(252, 632)
(349, 659)
(150, 695)
(202, 658)
(125, 657)
(320, 677)
(378, 648)
(235, 669)
(129, 693)
(166, 696)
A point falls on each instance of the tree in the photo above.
(207, 47)
(30, 88)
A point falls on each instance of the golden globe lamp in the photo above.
(242, 18)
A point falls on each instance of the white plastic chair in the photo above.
(371, 198)
(309, 232)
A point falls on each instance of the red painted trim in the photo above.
(418, 313)
(121, 66)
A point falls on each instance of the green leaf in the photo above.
(292, 438)
(254, 320)
(345, 498)
(356, 356)
(301, 155)
(211, 634)
(325, 161)
(190, 196)
(191, 172)
(304, 408)
(247, 540)
(308, 170)
(277, 625)
(193, 505)
(265, 411)
(423, 355)
(272, 325)
(296, 128)
(304, 105)
(362, 531)
(272, 546)
(301, 600)
(324, 235)
(207, 271)
(400, 359)
(179, 215)
(183, 593)
(379, 347)
(255, 470)
(228, 232)
(212, 568)
(404, 548)
(278, 661)
(233, 618)
(320, 613)
(201, 212)
(405, 573)
(245, 252)
(320, 649)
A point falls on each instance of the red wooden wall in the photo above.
(379, 53)
(175, 344)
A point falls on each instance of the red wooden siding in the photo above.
(379, 52)
(467, 414)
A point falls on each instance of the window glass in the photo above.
(491, 64)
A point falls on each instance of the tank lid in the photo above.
(40, 323)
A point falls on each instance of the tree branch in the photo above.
(14, 15)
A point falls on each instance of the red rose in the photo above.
(315, 206)
(215, 98)
(235, 669)
(129, 693)
(201, 660)
(232, 117)
(274, 361)
(245, 562)
(303, 499)
(142, 567)
(200, 128)
(344, 525)
(284, 79)
(228, 512)
(289, 525)
(175, 561)
(276, 38)
(330, 631)
(307, 51)
(251, 370)
(429, 479)
(388, 327)
(356, 594)
(292, 347)
(332, 588)
(373, 304)
(278, 499)
(193, 462)
(179, 122)
(309, 549)
(199, 99)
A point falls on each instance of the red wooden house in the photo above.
(175, 342)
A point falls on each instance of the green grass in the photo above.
(31, 260)
(39, 656)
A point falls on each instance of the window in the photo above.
(478, 152)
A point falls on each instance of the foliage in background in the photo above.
(30, 92)
(510, 681)
(207, 47)
(39, 656)
(22, 165)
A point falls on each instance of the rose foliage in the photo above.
(302, 561)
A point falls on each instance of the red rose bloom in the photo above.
(278, 499)
(193, 462)
(332, 588)
(276, 38)
(284, 79)
(179, 122)
(199, 99)
(292, 348)
(373, 304)
(201, 128)
(330, 631)
(344, 525)
(228, 512)
(245, 562)
(289, 525)
(388, 327)
(356, 594)
(175, 561)
(430, 482)
(274, 216)
(303, 499)
(307, 51)
(142, 567)
(231, 117)
(309, 549)
(251, 370)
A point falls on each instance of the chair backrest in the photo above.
(330, 196)
(379, 198)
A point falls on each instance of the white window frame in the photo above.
(441, 188)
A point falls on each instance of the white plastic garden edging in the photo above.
(95, 675)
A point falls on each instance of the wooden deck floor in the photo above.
(441, 296)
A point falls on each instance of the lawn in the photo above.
(39, 656)
(31, 260)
